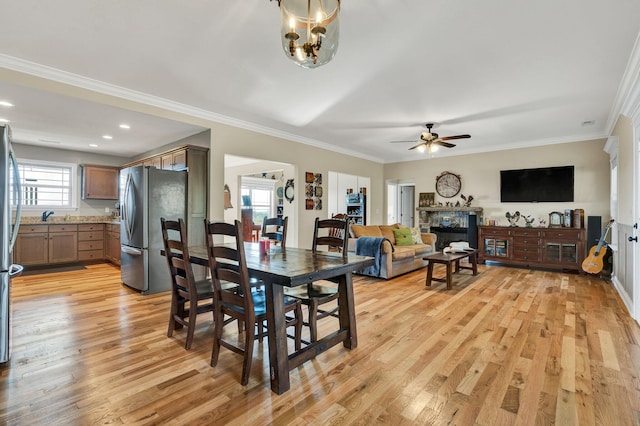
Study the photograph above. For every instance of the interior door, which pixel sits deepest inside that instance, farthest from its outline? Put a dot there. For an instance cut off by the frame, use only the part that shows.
(407, 205)
(634, 250)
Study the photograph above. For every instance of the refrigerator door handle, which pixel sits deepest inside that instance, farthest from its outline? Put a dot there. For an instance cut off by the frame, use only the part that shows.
(131, 251)
(15, 270)
(18, 188)
(128, 210)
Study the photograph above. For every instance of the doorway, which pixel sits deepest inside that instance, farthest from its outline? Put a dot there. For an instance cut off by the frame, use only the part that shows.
(407, 204)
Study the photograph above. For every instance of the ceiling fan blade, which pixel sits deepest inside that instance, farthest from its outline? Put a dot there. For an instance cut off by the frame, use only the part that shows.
(402, 141)
(446, 138)
(445, 144)
(416, 146)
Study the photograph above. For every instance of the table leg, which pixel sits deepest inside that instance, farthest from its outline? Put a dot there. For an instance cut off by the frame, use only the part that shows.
(429, 273)
(474, 263)
(449, 276)
(277, 332)
(457, 266)
(347, 310)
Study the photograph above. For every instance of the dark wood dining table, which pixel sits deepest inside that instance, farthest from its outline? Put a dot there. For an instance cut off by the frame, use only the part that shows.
(291, 267)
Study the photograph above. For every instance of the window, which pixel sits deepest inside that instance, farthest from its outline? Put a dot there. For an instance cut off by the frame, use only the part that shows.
(46, 184)
(261, 196)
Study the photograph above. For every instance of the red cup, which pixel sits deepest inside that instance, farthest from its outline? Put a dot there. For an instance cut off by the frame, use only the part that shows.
(265, 246)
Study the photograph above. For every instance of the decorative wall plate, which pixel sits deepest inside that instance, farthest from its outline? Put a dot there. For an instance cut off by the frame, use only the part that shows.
(289, 191)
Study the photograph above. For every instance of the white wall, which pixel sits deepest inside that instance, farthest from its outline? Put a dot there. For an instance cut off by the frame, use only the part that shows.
(481, 177)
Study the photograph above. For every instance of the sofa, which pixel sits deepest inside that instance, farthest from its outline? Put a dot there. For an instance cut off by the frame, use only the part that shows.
(394, 259)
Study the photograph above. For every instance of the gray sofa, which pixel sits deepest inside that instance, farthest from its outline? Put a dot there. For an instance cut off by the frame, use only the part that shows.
(399, 259)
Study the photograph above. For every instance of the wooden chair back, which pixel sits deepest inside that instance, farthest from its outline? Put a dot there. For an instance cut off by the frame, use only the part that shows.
(174, 238)
(275, 229)
(332, 233)
(228, 264)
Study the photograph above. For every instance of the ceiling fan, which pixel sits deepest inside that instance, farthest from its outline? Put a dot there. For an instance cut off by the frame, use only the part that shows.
(430, 140)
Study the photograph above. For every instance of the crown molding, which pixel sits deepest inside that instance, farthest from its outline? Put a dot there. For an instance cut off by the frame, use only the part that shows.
(54, 74)
(627, 100)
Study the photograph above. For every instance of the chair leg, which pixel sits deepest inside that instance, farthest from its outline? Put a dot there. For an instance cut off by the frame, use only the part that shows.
(172, 321)
(298, 327)
(313, 320)
(218, 325)
(193, 312)
(248, 353)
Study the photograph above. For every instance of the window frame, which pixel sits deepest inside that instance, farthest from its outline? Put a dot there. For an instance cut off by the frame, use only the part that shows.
(263, 184)
(73, 185)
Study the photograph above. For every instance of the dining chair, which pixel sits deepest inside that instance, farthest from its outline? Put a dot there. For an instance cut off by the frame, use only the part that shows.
(332, 233)
(275, 228)
(228, 263)
(185, 290)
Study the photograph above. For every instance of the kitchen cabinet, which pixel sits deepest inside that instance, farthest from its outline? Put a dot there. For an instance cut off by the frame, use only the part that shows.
(44, 244)
(99, 182)
(91, 241)
(176, 160)
(112, 243)
(32, 245)
(63, 243)
(153, 162)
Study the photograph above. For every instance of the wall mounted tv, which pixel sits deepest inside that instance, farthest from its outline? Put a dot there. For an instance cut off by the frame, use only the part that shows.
(547, 184)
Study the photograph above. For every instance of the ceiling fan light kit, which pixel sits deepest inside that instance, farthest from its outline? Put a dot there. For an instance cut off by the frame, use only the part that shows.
(310, 30)
(430, 141)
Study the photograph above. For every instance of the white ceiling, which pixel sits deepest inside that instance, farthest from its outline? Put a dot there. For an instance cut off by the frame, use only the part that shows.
(510, 73)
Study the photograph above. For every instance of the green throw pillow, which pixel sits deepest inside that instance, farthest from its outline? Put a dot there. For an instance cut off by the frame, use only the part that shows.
(403, 237)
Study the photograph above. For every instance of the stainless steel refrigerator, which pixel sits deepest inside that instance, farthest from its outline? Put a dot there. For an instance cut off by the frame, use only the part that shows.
(10, 191)
(147, 194)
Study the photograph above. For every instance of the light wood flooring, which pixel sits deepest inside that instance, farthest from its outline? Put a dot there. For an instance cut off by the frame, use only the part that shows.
(508, 346)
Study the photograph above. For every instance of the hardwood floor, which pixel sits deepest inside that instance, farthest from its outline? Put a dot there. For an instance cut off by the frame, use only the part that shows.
(509, 346)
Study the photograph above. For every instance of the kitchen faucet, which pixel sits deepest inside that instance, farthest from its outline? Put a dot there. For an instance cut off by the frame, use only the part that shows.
(46, 214)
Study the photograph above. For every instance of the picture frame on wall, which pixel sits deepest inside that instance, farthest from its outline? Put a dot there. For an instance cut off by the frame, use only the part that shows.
(426, 199)
(308, 177)
(309, 204)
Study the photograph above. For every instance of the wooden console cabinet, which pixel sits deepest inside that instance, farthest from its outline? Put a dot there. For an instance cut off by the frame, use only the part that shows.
(559, 248)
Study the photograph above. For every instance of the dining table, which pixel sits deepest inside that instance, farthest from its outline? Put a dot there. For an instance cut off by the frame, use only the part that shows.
(292, 267)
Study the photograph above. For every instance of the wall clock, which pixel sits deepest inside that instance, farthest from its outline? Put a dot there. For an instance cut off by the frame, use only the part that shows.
(448, 184)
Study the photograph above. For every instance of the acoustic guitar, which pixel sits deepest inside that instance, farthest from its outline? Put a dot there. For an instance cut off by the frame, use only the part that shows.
(593, 263)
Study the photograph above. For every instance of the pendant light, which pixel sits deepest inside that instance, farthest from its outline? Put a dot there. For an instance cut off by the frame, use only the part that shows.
(310, 30)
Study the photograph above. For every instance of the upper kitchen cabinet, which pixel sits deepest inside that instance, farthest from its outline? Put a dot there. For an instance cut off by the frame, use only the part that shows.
(99, 182)
(175, 160)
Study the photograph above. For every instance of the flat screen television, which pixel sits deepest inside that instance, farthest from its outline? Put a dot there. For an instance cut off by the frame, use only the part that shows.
(547, 184)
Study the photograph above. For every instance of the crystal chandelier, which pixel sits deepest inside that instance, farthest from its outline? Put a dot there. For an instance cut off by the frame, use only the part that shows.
(310, 30)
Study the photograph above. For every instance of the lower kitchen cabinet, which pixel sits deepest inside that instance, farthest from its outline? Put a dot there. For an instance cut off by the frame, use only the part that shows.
(44, 244)
(112, 243)
(32, 246)
(91, 241)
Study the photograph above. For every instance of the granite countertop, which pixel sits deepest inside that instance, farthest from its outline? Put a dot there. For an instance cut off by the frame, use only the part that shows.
(71, 220)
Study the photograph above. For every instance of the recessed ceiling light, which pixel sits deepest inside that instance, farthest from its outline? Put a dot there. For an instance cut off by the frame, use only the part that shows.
(93, 145)
(589, 123)
(4, 120)
(125, 126)
(6, 104)
(107, 137)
